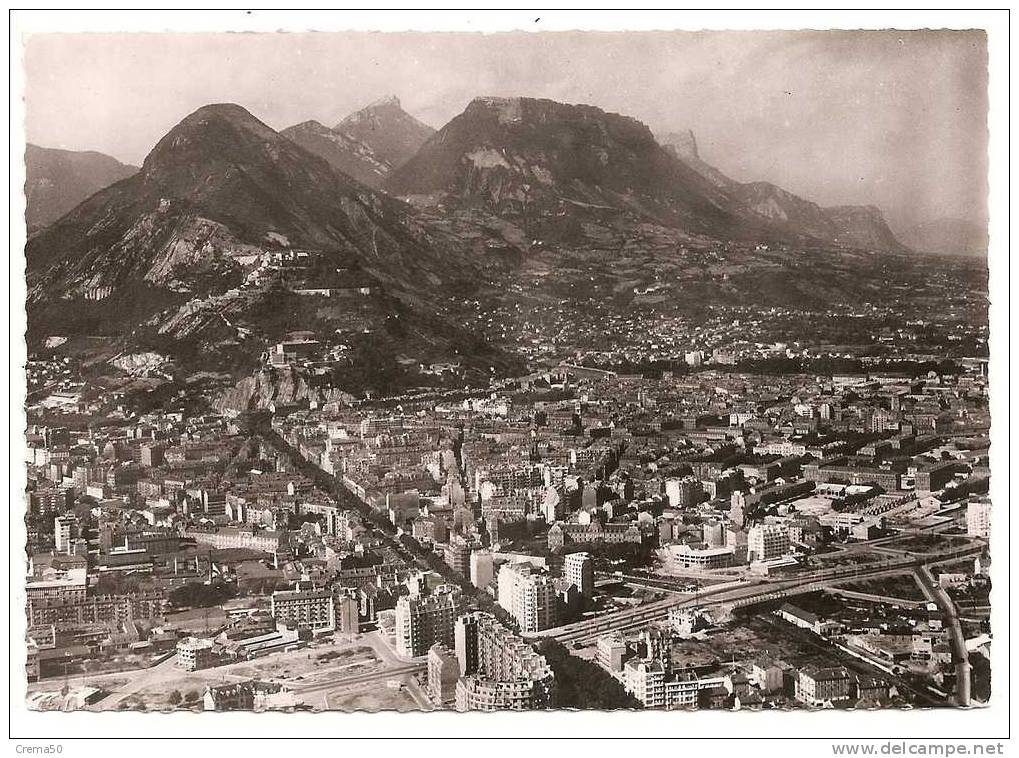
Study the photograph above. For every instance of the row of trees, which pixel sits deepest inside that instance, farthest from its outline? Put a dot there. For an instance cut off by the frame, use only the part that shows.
(583, 684)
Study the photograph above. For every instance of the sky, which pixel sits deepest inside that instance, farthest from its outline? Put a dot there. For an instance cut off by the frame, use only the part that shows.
(889, 118)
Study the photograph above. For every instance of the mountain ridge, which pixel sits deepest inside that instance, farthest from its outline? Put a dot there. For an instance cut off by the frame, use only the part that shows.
(392, 134)
(342, 151)
(220, 181)
(57, 180)
(531, 158)
(859, 226)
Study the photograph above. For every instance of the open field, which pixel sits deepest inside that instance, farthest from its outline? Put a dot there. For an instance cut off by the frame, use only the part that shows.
(373, 696)
(904, 587)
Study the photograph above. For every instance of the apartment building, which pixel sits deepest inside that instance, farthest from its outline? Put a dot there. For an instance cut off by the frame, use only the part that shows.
(578, 568)
(424, 620)
(529, 595)
(818, 685)
(503, 671)
(194, 653)
(978, 518)
(767, 541)
(305, 608)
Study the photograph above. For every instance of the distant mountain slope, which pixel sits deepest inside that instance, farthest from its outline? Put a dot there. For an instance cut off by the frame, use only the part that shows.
(683, 145)
(341, 151)
(781, 206)
(385, 127)
(855, 226)
(948, 236)
(863, 226)
(533, 160)
(57, 180)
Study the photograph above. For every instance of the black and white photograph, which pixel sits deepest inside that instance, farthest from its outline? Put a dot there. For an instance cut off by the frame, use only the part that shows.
(438, 370)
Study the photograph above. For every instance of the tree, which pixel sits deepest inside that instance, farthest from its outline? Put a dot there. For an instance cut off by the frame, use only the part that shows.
(175, 698)
(197, 595)
(583, 684)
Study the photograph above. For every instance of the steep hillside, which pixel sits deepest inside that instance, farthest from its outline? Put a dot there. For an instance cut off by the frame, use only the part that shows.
(341, 151)
(843, 226)
(202, 255)
(863, 226)
(57, 180)
(534, 161)
(384, 126)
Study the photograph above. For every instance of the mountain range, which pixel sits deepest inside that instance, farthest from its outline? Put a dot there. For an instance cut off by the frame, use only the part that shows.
(57, 180)
(219, 186)
(510, 194)
(538, 160)
(367, 145)
(854, 226)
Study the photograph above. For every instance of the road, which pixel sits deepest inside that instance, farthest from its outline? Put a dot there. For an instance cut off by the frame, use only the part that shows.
(750, 594)
(344, 681)
(963, 681)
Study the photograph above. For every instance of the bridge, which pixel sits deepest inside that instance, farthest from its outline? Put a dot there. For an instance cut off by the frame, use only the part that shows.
(728, 598)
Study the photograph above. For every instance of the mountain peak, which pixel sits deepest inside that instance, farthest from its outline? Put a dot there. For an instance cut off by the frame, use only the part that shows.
(210, 132)
(388, 101)
(311, 125)
(682, 143)
(232, 112)
(384, 126)
(341, 150)
(532, 158)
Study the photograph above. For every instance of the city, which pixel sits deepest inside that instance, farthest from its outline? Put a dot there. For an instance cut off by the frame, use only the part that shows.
(538, 410)
(710, 540)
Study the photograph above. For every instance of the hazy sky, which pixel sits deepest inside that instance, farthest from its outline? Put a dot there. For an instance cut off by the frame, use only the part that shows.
(897, 119)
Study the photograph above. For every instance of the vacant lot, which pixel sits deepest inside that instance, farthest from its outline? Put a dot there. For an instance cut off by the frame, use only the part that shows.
(372, 697)
(904, 587)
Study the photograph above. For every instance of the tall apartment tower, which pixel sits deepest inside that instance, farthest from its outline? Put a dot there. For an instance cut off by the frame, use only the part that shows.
(767, 541)
(579, 570)
(528, 595)
(65, 531)
(482, 568)
(506, 672)
(978, 518)
(423, 621)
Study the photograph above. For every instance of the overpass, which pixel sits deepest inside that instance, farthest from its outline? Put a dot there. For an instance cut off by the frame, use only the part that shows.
(762, 591)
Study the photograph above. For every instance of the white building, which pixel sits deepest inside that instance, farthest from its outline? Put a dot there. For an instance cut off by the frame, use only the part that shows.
(579, 570)
(423, 621)
(683, 493)
(767, 541)
(528, 596)
(978, 518)
(65, 531)
(194, 653)
(704, 558)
